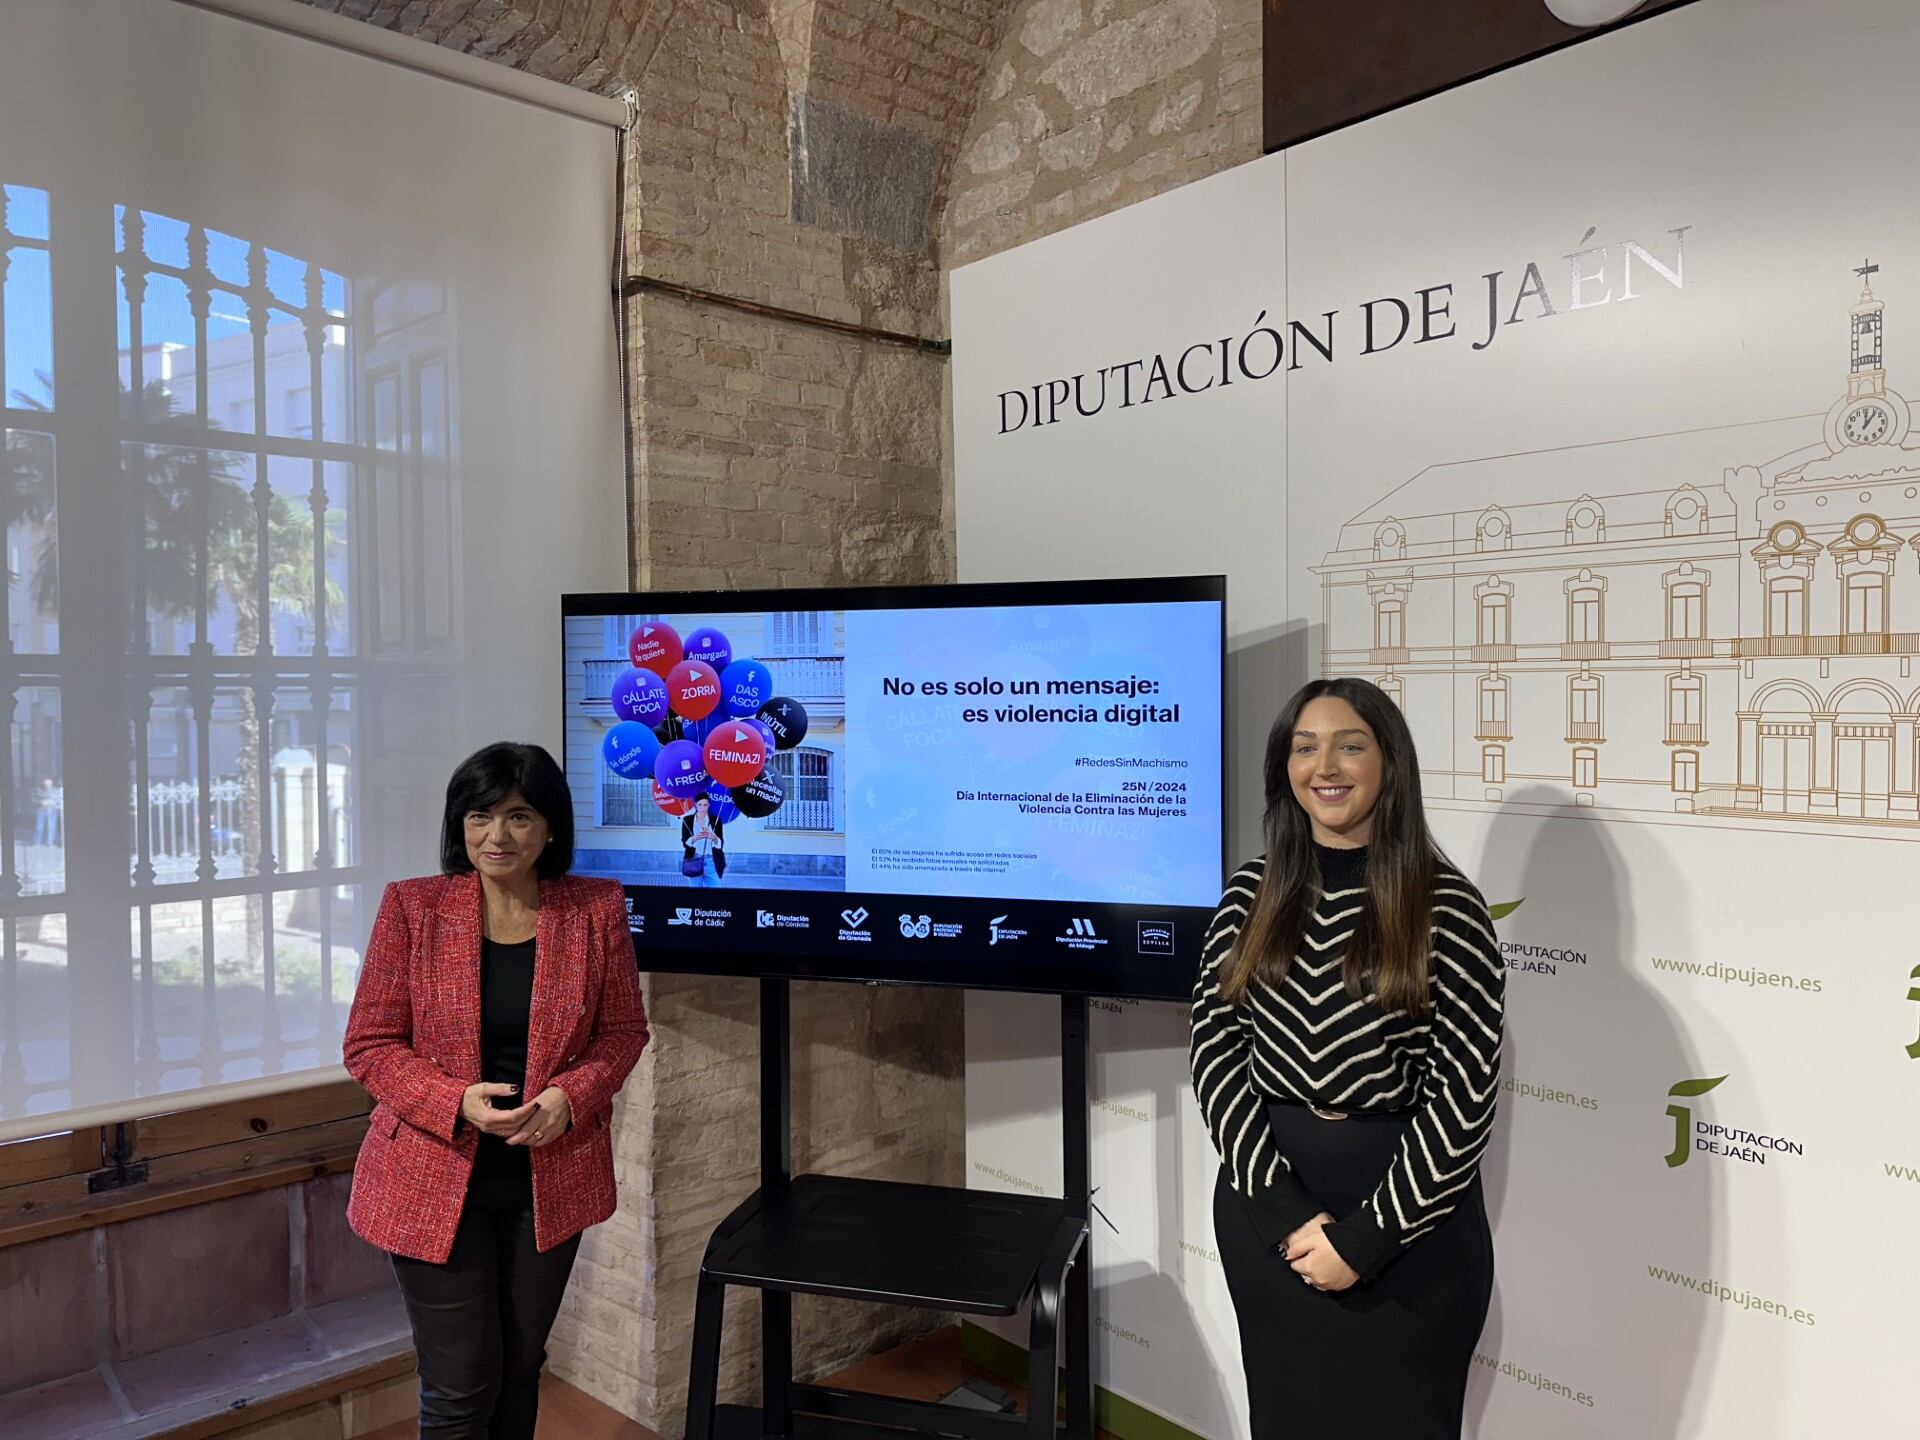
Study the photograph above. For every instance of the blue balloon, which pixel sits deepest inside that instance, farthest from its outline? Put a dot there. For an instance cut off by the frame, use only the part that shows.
(681, 770)
(640, 696)
(630, 749)
(745, 686)
(698, 730)
(710, 645)
(720, 804)
(766, 732)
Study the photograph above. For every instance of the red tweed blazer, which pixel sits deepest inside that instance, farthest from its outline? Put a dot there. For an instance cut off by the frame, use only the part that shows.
(413, 1043)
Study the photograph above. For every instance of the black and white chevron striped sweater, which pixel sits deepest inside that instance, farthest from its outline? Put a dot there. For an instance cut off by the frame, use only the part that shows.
(1308, 1039)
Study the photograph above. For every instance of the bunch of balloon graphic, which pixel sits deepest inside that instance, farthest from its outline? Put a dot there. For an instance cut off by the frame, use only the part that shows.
(698, 722)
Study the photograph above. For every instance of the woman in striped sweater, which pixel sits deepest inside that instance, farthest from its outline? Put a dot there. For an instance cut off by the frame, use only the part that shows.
(1346, 1041)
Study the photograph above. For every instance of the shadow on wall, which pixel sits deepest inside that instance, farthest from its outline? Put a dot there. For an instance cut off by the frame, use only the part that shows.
(1582, 1200)
(1264, 668)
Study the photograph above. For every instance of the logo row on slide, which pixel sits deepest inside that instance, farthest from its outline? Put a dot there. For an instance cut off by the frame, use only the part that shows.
(857, 923)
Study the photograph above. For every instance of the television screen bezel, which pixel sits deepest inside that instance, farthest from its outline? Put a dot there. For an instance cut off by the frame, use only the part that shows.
(884, 962)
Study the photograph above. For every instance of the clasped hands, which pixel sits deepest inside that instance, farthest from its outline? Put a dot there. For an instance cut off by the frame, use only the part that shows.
(541, 1121)
(1314, 1259)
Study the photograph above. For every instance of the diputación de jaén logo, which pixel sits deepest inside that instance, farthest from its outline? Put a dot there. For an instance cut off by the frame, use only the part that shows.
(1683, 1116)
(1913, 1050)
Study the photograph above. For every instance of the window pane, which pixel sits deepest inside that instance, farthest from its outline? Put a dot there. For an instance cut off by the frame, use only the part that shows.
(339, 558)
(167, 815)
(289, 379)
(38, 820)
(173, 963)
(235, 738)
(27, 344)
(36, 1015)
(342, 818)
(28, 490)
(336, 407)
(291, 535)
(227, 259)
(184, 499)
(169, 387)
(164, 239)
(317, 934)
(287, 279)
(229, 364)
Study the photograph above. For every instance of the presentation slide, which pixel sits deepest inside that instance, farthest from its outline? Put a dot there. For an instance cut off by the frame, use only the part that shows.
(1058, 752)
(1036, 783)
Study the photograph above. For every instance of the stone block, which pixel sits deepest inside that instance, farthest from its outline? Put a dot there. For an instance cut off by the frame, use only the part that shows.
(856, 176)
(1049, 24)
(1122, 57)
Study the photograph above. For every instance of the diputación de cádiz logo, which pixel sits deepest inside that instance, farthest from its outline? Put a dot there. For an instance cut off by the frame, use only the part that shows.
(1683, 1116)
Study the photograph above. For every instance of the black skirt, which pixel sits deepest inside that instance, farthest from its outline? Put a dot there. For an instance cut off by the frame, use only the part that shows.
(1384, 1360)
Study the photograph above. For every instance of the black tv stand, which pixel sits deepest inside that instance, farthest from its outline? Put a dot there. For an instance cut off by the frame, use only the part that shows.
(976, 1252)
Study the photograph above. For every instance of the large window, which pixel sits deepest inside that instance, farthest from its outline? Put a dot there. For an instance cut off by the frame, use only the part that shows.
(1687, 611)
(1495, 606)
(1786, 606)
(1493, 723)
(1585, 618)
(231, 540)
(268, 578)
(1389, 625)
(1686, 772)
(1583, 708)
(1866, 603)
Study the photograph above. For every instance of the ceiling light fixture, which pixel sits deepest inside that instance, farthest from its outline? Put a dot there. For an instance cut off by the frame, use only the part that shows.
(1588, 13)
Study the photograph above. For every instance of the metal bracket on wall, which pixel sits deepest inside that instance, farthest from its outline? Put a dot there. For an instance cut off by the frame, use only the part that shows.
(116, 1155)
(645, 284)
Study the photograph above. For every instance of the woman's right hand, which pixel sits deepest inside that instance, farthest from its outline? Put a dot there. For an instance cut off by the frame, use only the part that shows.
(477, 1110)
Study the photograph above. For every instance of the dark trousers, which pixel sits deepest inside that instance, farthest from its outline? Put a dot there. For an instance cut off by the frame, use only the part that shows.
(480, 1324)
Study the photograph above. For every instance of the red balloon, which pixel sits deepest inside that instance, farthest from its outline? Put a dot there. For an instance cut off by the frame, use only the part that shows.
(736, 752)
(693, 689)
(655, 647)
(673, 806)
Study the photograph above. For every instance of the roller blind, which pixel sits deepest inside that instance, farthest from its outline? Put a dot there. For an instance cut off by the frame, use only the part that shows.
(311, 411)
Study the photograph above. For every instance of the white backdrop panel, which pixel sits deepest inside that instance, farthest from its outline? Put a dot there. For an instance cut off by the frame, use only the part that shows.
(1671, 790)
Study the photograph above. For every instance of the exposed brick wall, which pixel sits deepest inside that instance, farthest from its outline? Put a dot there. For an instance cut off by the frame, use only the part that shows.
(1091, 105)
(769, 454)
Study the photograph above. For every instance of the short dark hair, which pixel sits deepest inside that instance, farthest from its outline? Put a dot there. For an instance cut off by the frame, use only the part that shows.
(487, 777)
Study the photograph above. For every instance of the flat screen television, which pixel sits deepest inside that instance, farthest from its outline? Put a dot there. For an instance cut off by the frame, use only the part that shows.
(1009, 786)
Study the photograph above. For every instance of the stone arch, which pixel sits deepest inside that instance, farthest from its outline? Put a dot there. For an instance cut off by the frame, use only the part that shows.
(1493, 530)
(1810, 698)
(1586, 521)
(1686, 512)
(1888, 697)
(1085, 107)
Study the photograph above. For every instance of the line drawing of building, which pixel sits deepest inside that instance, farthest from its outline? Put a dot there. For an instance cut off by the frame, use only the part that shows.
(1659, 623)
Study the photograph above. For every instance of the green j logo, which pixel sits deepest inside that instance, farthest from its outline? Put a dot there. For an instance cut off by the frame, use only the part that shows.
(1507, 907)
(1683, 1116)
(1913, 1050)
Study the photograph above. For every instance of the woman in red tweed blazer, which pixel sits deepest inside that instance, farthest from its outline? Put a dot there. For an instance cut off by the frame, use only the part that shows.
(503, 977)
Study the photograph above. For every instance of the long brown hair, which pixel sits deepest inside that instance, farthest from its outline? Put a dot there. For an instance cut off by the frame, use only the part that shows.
(1392, 938)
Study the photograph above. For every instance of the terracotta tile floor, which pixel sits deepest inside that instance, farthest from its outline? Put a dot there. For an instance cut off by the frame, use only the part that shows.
(925, 1369)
